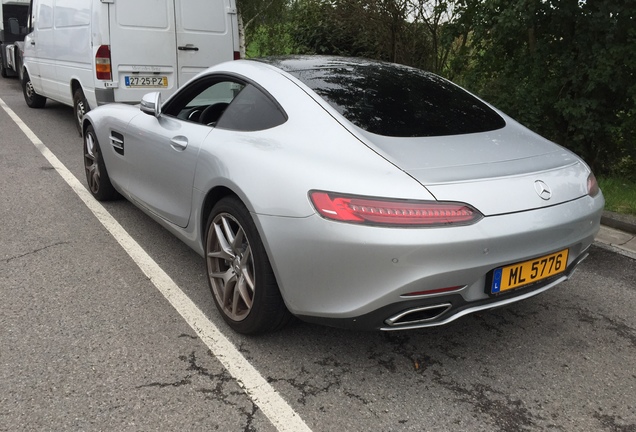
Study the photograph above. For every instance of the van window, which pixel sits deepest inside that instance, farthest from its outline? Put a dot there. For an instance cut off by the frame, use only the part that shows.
(143, 13)
(208, 16)
(70, 13)
(45, 15)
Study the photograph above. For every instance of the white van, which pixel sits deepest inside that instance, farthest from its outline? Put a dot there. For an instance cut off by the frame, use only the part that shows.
(86, 53)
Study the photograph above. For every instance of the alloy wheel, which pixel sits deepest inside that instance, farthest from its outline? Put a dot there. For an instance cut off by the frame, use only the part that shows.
(231, 267)
(91, 163)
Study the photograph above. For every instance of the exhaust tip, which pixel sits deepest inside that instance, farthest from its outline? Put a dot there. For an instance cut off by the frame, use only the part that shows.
(418, 315)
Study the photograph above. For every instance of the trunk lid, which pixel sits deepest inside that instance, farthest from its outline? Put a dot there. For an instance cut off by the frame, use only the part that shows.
(503, 171)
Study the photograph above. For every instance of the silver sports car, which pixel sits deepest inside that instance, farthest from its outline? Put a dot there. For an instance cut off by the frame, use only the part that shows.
(347, 192)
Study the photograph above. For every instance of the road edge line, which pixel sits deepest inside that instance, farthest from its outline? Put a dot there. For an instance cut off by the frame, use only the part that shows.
(271, 403)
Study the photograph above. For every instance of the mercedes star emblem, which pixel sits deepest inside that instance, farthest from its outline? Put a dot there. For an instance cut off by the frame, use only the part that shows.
(543, 190)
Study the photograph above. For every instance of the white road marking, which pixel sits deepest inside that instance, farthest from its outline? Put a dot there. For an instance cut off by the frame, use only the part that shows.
(282, 416)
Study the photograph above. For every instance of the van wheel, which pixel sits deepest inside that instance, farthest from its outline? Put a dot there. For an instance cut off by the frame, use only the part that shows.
(32, 99)
(80, 104)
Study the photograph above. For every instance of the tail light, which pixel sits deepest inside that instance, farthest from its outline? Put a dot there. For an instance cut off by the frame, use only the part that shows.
(392, 212)
(237, 55)
(592, 185)
(102, 63)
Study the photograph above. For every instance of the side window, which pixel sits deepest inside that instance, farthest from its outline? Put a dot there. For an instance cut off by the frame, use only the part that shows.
(45, 15)
(226, 103)
(204, 101)
(252, 110)
(221, 92)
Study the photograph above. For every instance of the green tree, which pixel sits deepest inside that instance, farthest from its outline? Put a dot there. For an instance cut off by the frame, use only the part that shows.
(565, 68)
(261, 20)
(403, 31)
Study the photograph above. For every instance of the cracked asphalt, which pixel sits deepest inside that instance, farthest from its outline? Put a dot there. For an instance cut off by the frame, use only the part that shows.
(88, 343)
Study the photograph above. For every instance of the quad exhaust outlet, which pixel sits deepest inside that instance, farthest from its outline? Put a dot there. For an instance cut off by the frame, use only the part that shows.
(418, 315)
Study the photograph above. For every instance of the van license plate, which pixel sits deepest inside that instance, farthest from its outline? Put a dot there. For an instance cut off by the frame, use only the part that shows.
(146, 81)
(527, 272)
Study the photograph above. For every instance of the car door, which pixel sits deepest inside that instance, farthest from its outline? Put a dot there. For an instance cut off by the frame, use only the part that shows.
(163, 151)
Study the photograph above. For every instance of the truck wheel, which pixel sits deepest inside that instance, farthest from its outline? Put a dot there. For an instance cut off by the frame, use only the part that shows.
(80, 104)
(33, 100)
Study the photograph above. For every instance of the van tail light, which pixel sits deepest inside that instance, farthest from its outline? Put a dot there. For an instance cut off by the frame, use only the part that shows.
(392, 212)
(102, 63)
(237, 55)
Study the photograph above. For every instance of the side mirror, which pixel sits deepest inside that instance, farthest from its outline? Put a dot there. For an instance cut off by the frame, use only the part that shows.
(151, 104)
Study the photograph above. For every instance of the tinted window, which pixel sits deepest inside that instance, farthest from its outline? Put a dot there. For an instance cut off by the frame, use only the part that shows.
(393, 100)
(227, 103)
(203, 101)
(220, 92)
(251, 110)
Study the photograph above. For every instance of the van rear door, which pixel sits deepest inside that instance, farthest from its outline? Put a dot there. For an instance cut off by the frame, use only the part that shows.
(207, 34)
(142, 48)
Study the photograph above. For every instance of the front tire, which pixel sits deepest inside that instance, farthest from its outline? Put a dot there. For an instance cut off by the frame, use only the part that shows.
(33, 100)
(239, 273)
(81, 107)
(97, 178)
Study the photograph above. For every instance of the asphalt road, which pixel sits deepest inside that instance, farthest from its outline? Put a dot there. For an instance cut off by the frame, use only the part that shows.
(88, 341)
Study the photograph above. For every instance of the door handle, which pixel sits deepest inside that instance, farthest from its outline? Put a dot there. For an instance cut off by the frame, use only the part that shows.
(179, 143)
(32, 42)
(188, 47)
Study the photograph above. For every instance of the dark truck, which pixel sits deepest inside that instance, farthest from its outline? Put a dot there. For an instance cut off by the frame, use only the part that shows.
(14, 15)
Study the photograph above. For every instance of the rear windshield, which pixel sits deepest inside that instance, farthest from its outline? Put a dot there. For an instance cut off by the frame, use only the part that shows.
(394, 100)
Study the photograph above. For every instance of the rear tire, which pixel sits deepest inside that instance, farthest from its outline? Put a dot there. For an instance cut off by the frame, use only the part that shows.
(81, 107)
(239, 272)
(33, 100)
(97, 178)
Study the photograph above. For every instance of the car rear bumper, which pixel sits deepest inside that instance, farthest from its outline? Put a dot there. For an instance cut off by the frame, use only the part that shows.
(357, 276)
(437, 311)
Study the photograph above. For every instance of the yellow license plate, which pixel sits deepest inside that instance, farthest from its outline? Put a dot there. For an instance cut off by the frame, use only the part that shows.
(528, 272)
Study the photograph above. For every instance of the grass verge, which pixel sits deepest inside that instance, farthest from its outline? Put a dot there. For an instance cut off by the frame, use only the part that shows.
(620, 195)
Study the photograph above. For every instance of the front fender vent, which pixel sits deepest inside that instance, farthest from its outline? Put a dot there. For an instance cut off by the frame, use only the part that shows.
(117, 141)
